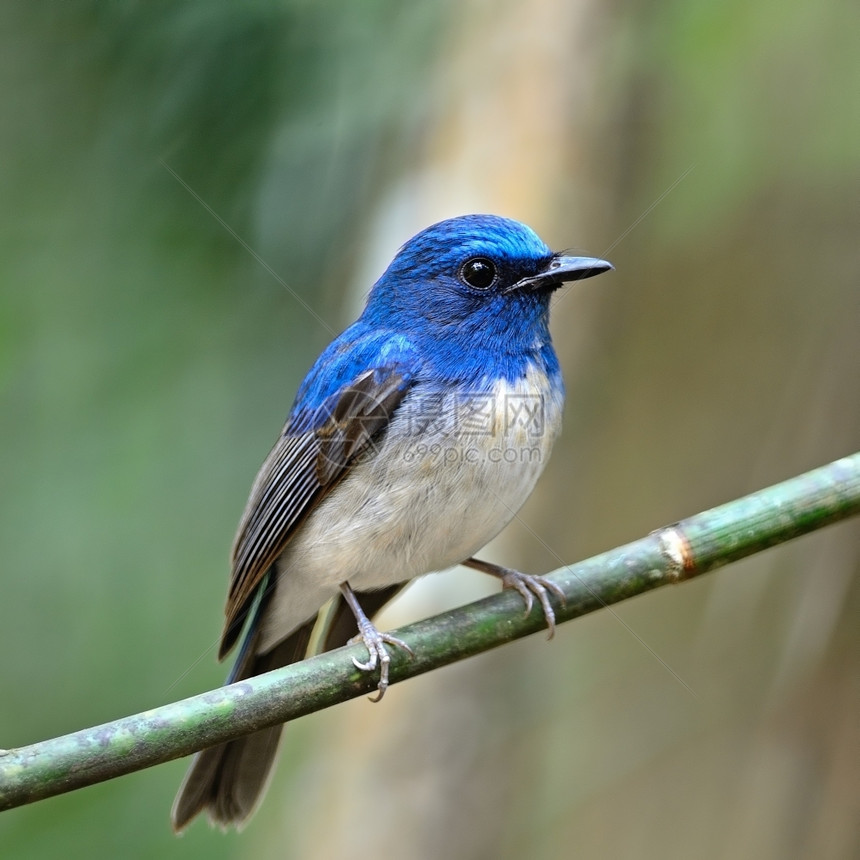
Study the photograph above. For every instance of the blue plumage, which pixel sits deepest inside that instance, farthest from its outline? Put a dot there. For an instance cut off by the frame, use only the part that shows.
(413, 440)
(360, 348)
(421, 317)
(467, 335)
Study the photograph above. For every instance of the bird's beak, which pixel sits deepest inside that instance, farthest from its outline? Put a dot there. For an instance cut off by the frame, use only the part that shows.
(560, 270)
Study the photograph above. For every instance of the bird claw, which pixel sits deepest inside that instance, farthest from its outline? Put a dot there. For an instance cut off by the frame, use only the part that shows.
(375, 642)
(529, 587)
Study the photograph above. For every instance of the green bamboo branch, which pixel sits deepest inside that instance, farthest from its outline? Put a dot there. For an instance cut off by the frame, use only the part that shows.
(681, 551)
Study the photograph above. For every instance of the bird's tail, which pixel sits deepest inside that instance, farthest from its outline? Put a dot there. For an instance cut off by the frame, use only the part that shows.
(227, 781)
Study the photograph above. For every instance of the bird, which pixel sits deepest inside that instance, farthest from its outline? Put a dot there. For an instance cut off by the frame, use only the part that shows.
(412, 442)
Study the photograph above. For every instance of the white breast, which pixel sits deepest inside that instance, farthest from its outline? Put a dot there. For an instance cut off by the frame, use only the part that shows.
(448, 476)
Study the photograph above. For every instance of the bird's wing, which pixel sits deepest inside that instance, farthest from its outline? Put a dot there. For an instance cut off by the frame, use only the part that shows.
(317, 448)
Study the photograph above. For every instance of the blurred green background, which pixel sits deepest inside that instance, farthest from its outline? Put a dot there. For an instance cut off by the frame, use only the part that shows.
(180, 181)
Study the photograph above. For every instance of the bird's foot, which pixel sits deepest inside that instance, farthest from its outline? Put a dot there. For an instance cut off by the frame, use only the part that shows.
(529, 587)
(375, 642)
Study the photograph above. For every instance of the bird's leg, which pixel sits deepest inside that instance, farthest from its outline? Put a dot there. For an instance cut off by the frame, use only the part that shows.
(527, 585)
(373, 640)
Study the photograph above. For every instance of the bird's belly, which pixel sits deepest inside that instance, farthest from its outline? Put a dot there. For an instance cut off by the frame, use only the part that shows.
(449, 474)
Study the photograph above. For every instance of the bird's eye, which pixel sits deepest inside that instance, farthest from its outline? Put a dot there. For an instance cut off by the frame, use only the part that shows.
(479, 272)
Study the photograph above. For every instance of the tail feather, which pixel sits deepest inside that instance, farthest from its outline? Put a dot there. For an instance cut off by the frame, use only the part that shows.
(227, 781)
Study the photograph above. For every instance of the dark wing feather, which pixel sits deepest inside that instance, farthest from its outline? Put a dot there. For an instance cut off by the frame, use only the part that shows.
(297, 474)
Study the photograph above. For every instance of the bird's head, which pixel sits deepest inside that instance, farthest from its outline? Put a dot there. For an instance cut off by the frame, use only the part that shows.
(475, 280)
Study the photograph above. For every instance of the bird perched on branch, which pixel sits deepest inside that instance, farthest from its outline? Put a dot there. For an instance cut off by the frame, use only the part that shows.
(413, 440)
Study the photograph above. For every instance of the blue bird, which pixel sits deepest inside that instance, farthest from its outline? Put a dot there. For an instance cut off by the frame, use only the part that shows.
(414, 439)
